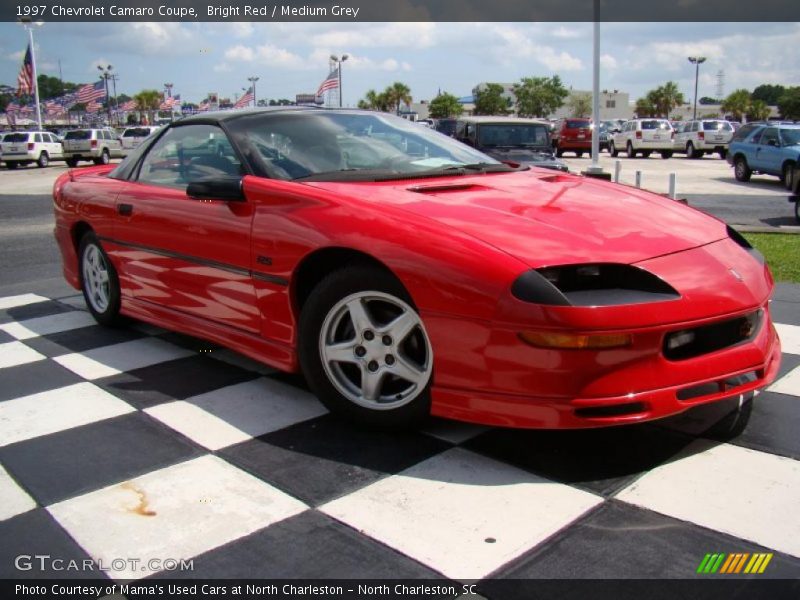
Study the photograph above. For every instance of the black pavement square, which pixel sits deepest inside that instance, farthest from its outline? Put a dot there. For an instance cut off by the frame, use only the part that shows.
(36, 533)
(173, 380)
(82, 459)
(82, 339)
(601, 461)
(325, 458)
(4, 337)
(774, 425)
(34, 311)
(34, 377)
(309, 545)
(621, 541)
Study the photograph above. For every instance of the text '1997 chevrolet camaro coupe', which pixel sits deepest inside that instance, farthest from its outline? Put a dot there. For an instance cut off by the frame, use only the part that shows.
(405, 274)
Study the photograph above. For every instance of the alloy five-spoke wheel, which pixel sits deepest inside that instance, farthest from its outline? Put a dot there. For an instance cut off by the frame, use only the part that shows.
(99, 281)
(375, 351)
(364, 349)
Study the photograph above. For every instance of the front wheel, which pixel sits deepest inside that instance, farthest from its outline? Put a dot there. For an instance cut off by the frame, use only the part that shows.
(43, 161)
(364, 349)
(104, 158)
(733, 424)
(786, 177)
(99, 281)
(630, 151)
(740, 169)
(612, 149)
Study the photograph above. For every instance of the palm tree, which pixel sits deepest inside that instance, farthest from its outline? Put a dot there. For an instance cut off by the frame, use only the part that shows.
(737, 103)
(759, 111)
(669, 97)
(148, 101)
(398, 93)
(645, 107)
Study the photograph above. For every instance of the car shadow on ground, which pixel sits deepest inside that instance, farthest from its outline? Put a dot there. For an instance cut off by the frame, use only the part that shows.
(757, 183)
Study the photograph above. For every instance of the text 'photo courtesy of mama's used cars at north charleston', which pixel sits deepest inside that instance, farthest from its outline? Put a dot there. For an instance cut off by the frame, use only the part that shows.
(406, 274)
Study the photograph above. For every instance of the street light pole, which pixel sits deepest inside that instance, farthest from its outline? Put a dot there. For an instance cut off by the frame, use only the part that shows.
(595, 170)
(338, 62)
(696, 61)
(253, 81)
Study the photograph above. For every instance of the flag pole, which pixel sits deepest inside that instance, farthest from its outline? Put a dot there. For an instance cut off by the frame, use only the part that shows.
(29, 27)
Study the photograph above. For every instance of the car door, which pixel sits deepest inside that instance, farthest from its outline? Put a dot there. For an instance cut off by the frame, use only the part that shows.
(768, 152)
(188, 255)
(54, 146)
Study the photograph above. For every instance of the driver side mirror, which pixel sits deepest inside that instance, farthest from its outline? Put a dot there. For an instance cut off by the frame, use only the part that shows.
(228, 189)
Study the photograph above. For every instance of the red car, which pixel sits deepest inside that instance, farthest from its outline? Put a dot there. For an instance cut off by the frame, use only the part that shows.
(407, 274)
(572, 135)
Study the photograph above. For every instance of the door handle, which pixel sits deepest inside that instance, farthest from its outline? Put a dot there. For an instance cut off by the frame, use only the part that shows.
(126, 210)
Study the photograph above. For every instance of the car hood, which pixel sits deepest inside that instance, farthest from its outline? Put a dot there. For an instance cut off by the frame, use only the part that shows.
(545, 218)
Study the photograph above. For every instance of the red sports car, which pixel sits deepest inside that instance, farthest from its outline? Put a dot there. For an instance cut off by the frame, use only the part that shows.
(406, 274)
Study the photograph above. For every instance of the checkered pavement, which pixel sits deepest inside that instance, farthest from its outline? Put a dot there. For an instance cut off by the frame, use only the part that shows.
(141, 443)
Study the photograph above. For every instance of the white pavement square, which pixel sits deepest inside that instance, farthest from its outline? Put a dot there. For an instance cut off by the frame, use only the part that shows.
(238, 412)
(21, 300)
(174, 513)
(788, 384)
(790, 338)
(13, 354)
(749, 494)
(118, 358)
(31, 328)
(461, 513)
(56, 410)
(13, 499)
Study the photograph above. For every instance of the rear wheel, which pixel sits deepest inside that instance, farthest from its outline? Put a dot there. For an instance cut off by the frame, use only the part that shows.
(787, 175)
(364, 349)
(740, 169)
(43, 161)
(612, 149)
(99, 281)
(629, 150)
(691, 152)
(666, 154)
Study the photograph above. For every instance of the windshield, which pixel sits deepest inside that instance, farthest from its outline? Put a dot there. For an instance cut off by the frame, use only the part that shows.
(15, 138)
(78, 135)
(331, 145)
(512, 134)
(791, 137)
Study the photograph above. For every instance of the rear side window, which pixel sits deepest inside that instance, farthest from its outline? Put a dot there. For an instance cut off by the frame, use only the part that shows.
(744, 132)
(717, 126)
(78, 135)
(16, 138)
(653, 124)
(136, 132)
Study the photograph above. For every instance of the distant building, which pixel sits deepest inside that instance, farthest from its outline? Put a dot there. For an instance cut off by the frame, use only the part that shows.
(613, 103)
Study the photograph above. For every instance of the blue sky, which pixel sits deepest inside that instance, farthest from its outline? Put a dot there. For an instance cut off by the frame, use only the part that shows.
(292, 58)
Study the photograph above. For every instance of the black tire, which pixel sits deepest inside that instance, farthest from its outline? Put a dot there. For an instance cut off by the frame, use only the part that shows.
(43, 161)
(647, 153)
(579, 153)
(666, 154)
(104, 158)
(733, 424)
(107, 314)
(629, 150)
(319, 318)
(559, 152)
(786, 176)
(612, 149)
(10, 164)
(723, 153)
(740, 169)
(72, 162)
(691, 152)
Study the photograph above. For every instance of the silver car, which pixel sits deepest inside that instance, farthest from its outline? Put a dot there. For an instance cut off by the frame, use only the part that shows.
(96, 145)
(704, 136)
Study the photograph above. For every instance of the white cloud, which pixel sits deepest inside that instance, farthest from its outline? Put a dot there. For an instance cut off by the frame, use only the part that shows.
(608, 62)
(566, 34)
(240, 53)
(379, 35)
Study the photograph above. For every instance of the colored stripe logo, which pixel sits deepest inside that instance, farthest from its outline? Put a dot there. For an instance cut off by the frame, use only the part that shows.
(739, 562)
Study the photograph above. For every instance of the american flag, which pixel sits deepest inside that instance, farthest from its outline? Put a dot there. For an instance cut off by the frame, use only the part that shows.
(204, 106)
(91, 92)
(25, 77)
(170, 102)
(331, 83)
(245, 100)
(53, 108)
(93, 107)
(128, 106)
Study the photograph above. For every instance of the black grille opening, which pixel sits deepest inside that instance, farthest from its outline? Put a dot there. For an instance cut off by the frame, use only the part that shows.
(690, 343)
(616, 410)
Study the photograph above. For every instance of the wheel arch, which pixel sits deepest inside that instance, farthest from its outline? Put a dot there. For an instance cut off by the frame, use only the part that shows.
(79, 229)
(319, 263)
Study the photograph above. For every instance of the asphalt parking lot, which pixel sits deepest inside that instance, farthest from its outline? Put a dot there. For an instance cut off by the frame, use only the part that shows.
(137, 443)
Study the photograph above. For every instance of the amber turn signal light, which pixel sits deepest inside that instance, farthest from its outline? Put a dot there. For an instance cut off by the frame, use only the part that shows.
(545, 339)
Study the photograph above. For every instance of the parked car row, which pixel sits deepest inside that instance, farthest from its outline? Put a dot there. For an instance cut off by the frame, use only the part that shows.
(100, 145)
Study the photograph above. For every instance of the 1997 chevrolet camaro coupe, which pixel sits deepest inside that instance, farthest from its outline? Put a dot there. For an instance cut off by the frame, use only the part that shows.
(406, 274)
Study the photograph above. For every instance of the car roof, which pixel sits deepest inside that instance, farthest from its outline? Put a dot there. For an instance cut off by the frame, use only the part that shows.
(220, 116)
(501, 119)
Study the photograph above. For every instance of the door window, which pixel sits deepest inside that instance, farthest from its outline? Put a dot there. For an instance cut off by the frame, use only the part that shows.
(189, 153)
(770, 135)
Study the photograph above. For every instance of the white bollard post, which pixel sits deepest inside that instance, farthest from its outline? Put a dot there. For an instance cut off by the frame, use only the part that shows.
(672, 184)
(638, 179)
(617, 170)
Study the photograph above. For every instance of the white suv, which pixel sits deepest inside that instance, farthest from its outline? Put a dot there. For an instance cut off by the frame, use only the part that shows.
(704, 137)
(643, 136)
(133, 136)
(25, 147)
(97, 145)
